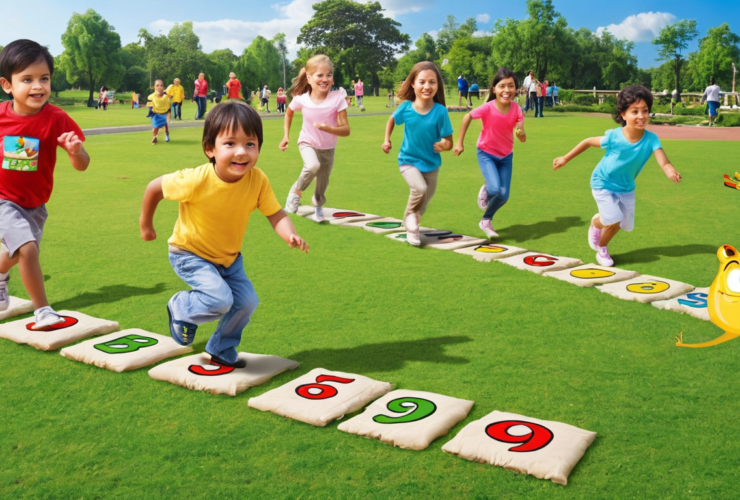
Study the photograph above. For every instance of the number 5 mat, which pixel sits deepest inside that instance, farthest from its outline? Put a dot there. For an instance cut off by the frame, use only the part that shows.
(409, 419)
(320, 396)
(76, 326)
(542, 448)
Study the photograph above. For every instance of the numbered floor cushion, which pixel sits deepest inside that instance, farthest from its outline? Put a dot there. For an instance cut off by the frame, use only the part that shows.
(339, 216)
(197, 373)
(305, 210)
(125, 350)
(542, 448)
(486, 252)
(76, 326)
(591, 275)
(16, 307)
(380, 226)
(646, 289)
(693, 303)
(320, 396)
(440, 239)
(409, 419)
(541, 263)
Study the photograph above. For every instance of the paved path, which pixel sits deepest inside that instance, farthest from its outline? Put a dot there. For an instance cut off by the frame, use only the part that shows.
(696, 133)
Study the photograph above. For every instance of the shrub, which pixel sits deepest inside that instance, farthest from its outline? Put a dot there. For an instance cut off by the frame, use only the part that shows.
(565, 95)
(729, 119)
(584, 99)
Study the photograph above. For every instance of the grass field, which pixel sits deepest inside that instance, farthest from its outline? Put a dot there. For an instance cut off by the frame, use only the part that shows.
(422, 319)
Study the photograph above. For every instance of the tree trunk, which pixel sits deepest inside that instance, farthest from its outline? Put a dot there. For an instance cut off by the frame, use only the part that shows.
(376, 83)
(92, 87)
(678, 79)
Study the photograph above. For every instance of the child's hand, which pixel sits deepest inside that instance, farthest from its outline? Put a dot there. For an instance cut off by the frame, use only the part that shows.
(284, 144)
(70, 142)
(458, 150)
(387, 147)
(298, 242)
(148, 233)
(439, 147)
(320, 126)
(519, 131)
(559, 162)
(674, 176)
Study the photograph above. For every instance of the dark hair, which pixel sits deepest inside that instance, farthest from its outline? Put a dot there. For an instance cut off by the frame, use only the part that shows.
(627, 97)
(711, 80)
(406, 92)
(501, 74)
(20, 54)
(228, 117)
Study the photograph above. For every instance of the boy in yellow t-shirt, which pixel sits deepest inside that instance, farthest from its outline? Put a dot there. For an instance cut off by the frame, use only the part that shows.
(177, 95)
(216, 200)
(159, 109)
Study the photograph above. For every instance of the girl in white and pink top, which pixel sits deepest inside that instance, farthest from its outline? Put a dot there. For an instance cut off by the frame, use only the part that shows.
(359, 92)
(500, 117)
(324, 119)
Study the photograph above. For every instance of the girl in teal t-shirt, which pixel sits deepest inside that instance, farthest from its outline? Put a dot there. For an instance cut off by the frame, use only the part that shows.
(628, 148)
(428, 132)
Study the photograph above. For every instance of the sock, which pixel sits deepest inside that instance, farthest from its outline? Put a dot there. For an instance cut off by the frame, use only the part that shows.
(4, 276)
(43, 309)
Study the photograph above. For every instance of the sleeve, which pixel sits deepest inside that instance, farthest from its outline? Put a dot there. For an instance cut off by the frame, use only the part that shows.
(606, 139)
(179, 186)
(150, 100)
(519, 114)
(169, 91)
(480, 111)
(296, 104)
(266, 201)
(342, 104)
(655, 142)
(445, 126)
(398, 114)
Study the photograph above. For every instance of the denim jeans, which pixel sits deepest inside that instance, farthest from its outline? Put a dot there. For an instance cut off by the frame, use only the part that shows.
(497, 173)
(201, 102)
(540, 105)
(218, 293)
(176, 110)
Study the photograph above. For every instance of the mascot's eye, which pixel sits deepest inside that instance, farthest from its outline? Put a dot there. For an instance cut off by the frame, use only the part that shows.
(733, 280)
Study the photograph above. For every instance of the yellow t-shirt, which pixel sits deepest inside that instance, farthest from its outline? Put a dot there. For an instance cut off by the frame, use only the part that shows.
(176, 92)
(214, 214)
(160, 105)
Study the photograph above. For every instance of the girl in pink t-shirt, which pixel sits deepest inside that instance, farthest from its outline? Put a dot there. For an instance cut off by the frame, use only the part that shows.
(324, 118)
(500, 117)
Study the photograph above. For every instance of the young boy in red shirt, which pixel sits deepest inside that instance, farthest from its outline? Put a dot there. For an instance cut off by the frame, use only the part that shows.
(30, 131)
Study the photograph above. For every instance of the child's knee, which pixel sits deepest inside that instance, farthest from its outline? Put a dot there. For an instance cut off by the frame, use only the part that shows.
(221, 302)
(312, 166)
(28, 250)
(246, 302)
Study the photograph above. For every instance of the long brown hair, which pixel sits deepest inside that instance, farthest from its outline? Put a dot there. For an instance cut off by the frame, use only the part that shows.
(501, 74)
(406, 92)
(299, 84)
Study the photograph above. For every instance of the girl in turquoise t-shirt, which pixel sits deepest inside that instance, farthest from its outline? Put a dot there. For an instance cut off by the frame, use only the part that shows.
(628, 148)
(428, 132)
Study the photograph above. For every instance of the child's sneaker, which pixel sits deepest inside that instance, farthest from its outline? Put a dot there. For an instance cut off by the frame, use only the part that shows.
(154, 141)
(239, 363)
(167, 138)
(182, 332)
(293, 202)
(412, 230)
(4, 296)
(318, 214)
(45, 317)
(486, 227)
(483, 198)
(603, 257)
(594, 235)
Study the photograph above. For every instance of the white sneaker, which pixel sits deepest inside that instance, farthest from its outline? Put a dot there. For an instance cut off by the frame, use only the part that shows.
(603, 257)
(293, 202)
(4, 296)
(483, 198)
(412, 230)
(594, 235)
(318, 214)
(45, 316)
(486, 227)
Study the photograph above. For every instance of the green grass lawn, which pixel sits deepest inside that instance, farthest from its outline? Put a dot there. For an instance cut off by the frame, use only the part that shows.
(422, 319)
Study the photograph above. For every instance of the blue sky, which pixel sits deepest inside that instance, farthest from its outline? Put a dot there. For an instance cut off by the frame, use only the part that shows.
(234, 24)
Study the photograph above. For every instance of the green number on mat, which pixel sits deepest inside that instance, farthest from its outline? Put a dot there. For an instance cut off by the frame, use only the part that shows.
(129, 343)
(421, 408)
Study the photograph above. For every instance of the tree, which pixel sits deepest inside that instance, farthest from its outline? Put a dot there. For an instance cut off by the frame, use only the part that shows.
(471, 56)
(446, 36)
(260, 64)
(92, 51)
(58, 78)
(356, 35)
(282, 47)
(717, 51)
(673, 39)
(426, 50)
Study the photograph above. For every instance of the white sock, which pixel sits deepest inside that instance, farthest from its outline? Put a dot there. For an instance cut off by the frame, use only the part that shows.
(3, 276)
(41, 310)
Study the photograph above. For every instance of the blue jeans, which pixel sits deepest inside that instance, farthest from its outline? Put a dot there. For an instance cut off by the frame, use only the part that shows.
(540, 105)
(218, 293)
(497, 173)
(201, 102)
(176, 110)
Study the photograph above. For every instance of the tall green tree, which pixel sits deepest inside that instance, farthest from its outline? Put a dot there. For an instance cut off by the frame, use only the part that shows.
(92, 51)
(426, 50)
(673, 40)
(281, 45)
(717, 51)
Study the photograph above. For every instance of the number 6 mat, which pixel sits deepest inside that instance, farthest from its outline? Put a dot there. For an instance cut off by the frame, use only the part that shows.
(320, 396)
(409, 419)
(542, 448)
(646, 289)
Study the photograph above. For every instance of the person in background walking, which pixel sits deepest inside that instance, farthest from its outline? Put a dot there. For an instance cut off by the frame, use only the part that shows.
(265, 98)
(359, 92)
(176, 92)
(711, 95)
(200, 94)
(234, 87)
(528, 88)
(462, 88)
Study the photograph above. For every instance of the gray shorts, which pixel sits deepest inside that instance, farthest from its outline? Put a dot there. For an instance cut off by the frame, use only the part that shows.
(20, 225)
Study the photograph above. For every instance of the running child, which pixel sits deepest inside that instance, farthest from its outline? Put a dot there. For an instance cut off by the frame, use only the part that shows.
(176, 93)
(428, 132)
(628, 148)
(500, 117)
(281, 99)
(234, 87)
(216, 200)
(324, 119)
(30, 131)
(159, 109)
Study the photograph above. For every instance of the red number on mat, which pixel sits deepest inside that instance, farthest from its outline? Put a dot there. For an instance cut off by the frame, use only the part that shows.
(200, 370)
(537, 438)
(326, 391)
(534, 260)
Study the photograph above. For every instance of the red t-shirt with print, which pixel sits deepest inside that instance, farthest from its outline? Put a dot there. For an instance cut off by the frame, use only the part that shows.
(30, 152)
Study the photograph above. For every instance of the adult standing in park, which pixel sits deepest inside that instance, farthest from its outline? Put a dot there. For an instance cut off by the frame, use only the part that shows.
(474, 91)
(177, 95)
(265, 98)
(103, 98)
(234, 87)
(359, 92)
(462, 88)
(711, 95)
(541, 95)
(200, 94)
(528, 88)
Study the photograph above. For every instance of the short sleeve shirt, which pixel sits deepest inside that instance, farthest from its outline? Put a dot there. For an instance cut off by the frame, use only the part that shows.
(462, 84)
(176, 92)
(30, 152)
(234, 87)
(160, 105)
(324, 112)
(623, 161)
(201, 88)
(359, 89)
(420, 134)
(213, 214)
(497, 136)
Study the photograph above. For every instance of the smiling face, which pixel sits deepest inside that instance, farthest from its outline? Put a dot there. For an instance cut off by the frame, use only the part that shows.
(159, 87)
(425, 85)
(723, 302)
(637, 115)
(235, 153)
(31, 88)
(321, 80)
(505, 90)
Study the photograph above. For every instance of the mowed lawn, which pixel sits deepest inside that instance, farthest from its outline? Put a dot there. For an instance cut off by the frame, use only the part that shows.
(421, 319)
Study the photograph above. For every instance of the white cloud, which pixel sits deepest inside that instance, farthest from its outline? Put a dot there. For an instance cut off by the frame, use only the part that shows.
(642, 27)
(483, 18)
(481, 33)
(394, 8)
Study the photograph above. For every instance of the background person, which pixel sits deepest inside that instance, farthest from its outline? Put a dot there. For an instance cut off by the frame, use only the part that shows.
(711, 96)
(265, 98)
(233, 87)
(359, 92)
(176, 93)
(528, 88)
(200, 95)
(462, 90)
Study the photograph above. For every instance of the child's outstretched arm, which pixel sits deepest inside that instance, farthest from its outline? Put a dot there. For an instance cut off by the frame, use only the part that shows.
(342, 128)
(460, 147)
(286, 128)
(665, 164)
(520, 133)
(444, 145)
(388, 131)
(284, 228)
(72, 144)
(591, 142)
(152, 196)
